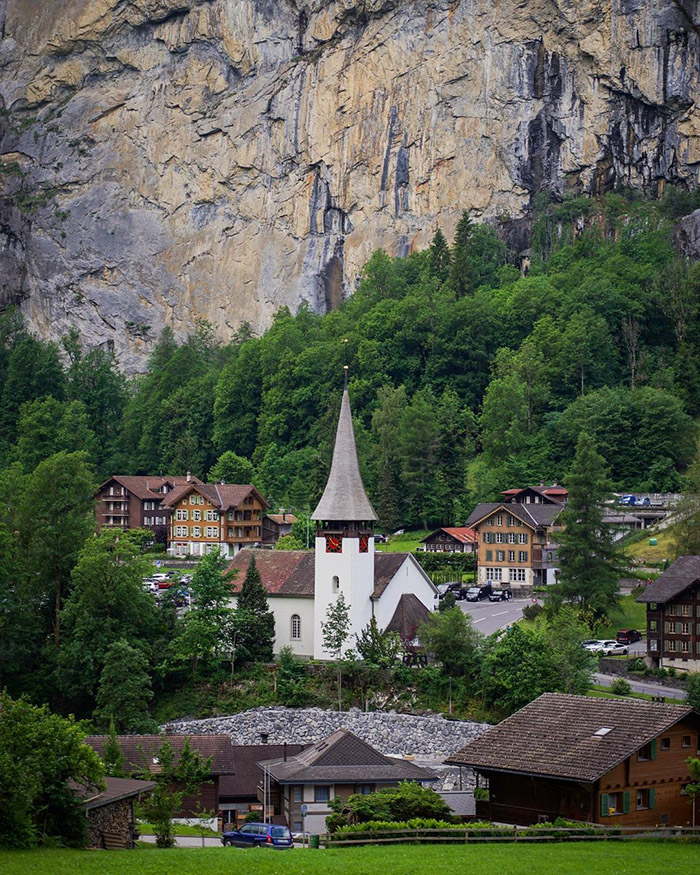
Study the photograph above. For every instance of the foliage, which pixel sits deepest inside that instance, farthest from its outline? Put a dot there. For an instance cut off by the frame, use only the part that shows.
(177, 777)
(378, 646)
(336, 627)
(231, 468)
(532, 611)
(401, 803)
(125, 690)
(450, 637)
(590, 560)
(621, 687)
(289, 542)
(112, 755)
(253, 621)
(693, 690)
(40, 753)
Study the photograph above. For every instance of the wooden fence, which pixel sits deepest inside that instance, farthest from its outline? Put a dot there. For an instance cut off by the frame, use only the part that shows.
(511, 834)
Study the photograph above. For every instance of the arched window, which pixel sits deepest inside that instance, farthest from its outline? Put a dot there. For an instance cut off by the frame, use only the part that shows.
(336, 583)
(296, 627)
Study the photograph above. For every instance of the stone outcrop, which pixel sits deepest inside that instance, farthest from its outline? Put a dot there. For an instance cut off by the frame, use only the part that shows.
(168, 160)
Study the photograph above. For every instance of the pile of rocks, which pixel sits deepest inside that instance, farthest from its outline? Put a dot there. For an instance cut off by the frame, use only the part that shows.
(427, 738)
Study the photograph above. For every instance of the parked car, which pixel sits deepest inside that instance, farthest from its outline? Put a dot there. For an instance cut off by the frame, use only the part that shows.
(258, 835)
(610, 648)
(456, 588)
(594, 645)
(500, 595)
(628, 636)
(477, 593)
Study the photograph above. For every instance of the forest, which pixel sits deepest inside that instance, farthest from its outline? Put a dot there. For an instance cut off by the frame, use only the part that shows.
(468, 374)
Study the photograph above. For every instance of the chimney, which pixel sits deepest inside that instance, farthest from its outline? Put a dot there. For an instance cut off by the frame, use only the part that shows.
(285, 751)
(263, 737)
(189, 476)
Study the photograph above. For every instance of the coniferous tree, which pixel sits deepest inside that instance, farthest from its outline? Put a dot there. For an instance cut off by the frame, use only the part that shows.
(462, 277)
(125, 690)
(439, 257)
(112, 755)
(590, 561)
(254, 620)
(686, 532)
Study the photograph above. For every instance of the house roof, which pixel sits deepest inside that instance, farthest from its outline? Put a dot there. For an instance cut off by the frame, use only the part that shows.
(555, 492)
(343, 758)
(344, 497)
(116, 789)
(409, 614)
(555, 736)
(145, 487)
(282, 519)
(463, 534)
(140, 751)
(533, 515)
(678, 577)
(221, 495)
(291, 572)
(247, 774)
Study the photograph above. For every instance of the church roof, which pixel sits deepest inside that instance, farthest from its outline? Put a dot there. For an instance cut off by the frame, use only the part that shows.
(344, 497)
(409, 614)
(291, 572)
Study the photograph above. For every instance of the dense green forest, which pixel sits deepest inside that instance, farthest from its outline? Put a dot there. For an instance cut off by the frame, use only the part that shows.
(466, 376)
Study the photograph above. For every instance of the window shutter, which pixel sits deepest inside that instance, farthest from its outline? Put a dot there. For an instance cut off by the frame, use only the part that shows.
(652, 797)
(652, 746)
(604, 805)
(626, 802)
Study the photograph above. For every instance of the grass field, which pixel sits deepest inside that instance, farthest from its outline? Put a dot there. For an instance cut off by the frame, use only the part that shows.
(631, 615)
(180, 829)
(570, 858)
(640, 550)
(405, 543)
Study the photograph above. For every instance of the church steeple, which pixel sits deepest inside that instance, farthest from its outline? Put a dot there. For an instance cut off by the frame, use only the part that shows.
(344, 498)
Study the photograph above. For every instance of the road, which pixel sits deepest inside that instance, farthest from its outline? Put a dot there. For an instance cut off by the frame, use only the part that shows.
(642, 687)
(489, 616)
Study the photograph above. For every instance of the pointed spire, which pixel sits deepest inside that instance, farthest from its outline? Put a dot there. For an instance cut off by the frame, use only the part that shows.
(344, 497)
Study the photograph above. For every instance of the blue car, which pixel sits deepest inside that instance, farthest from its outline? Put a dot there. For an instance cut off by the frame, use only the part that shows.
(259, 835)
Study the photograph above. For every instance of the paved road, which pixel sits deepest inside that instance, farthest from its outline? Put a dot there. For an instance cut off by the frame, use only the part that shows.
(489, 616)
(642, 687)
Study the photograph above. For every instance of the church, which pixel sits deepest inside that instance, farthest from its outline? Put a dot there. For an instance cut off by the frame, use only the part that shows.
(301, 584)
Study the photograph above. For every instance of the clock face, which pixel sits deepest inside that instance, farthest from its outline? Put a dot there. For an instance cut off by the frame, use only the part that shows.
(334, 544)
(364, 543)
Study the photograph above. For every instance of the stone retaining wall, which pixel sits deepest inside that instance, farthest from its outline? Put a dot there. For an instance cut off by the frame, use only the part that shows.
(432, 737)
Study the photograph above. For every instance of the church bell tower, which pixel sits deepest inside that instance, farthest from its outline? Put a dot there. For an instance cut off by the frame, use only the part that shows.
(344, 559)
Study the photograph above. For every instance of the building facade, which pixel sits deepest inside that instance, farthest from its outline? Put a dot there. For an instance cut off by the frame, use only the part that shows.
(606, 761)
(454, 539)
(208, 516)
(673, 616)
(276, 526)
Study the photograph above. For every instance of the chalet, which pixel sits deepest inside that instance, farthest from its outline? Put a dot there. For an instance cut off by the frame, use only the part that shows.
(141, 758)
(205, 516)
(239, 791)
(517, 537)
(594, 760)
(673, 616)
(276, 526)
(137, 502)
(334, 768)
(457, 539)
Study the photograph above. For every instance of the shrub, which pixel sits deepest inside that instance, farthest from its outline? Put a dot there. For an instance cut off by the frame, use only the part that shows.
(532, 612)
(621, 687)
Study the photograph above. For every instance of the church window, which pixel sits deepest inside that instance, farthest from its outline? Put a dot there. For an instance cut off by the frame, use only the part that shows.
(336, 583)
(296, 627)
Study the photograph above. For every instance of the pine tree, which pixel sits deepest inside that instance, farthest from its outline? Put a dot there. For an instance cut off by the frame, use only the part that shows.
(254, 621)
(440, 258)
(125, 690)
(113, 757)
(590, 562)
(462, 270)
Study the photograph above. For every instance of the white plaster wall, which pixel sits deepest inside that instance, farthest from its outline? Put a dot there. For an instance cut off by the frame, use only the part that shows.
(408, 579)
(283, 608)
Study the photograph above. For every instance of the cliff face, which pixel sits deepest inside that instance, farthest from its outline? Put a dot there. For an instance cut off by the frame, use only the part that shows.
(165, 160)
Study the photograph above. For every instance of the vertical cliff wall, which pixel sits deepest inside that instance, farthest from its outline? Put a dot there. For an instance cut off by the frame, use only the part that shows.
(165, 160)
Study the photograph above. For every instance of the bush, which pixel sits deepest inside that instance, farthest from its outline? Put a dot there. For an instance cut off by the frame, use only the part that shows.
(621, 687)
(532, 612)
(636, 664)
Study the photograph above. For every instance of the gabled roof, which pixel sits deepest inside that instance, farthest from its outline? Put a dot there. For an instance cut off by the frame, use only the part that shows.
(684, 572)
(140, 751)
(291, 572)
(223, 496)
(409, 614)
(248, 774)
(463, 534)
(115, 790)
(555, 492)
(343, 758)
(282, 519)
(344, 497)
(533, 515)
(145, 487)
(555, 736)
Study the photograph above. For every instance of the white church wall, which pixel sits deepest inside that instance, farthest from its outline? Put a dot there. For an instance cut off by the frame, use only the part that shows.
(283, 609)
(408, 579)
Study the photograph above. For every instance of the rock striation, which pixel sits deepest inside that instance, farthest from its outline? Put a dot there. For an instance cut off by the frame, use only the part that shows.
(168, 160)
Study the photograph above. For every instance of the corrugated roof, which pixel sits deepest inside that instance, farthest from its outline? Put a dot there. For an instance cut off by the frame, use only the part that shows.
(343, 757)
(555, 736)
(684, 572)
(140, 751)
(344, 497)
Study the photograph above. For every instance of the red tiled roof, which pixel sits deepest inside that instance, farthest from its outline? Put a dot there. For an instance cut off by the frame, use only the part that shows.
(145, 487)
(141, 750)
(291, 572)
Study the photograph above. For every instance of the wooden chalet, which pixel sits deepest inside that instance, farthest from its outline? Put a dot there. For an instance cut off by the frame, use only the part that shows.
(454, 539)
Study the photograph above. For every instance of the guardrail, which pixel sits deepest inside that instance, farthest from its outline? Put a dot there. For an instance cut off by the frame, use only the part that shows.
(512, 834)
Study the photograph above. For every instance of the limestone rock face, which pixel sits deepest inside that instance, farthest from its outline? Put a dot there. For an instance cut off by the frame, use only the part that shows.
(168, 160)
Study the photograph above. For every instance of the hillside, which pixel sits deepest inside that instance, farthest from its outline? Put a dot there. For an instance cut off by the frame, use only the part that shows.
(168, 160)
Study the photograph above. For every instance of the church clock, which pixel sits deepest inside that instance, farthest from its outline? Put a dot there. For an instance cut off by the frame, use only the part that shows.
(334, 544)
